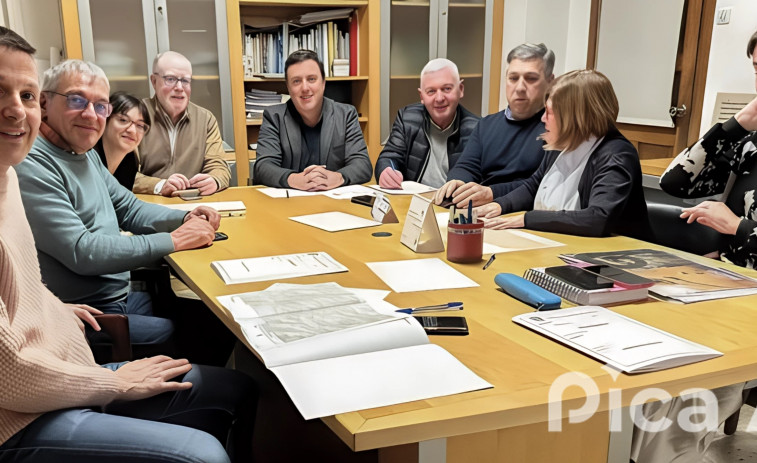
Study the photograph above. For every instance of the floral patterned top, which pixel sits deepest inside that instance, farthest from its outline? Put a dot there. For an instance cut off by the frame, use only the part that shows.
(704, 168)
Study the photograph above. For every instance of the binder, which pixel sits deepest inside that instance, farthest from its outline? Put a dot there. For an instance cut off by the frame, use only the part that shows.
(580, 296)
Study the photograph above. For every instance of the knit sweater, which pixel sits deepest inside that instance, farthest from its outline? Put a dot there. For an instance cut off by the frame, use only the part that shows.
(75, 208)
(45, 362)
(501, 153)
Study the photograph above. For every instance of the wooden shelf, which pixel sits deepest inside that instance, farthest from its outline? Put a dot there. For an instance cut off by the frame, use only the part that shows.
(281, 79)
(418, 76)
(399, 3)
(145, 77)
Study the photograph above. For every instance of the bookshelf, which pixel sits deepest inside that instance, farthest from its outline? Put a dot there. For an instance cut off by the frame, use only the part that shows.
(361, 90)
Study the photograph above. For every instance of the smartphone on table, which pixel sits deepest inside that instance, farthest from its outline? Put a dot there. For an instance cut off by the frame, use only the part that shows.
(619, 276)
(456, 326)
(579, 277)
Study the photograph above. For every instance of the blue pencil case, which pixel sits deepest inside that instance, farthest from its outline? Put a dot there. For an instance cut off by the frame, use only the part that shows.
(525, 291)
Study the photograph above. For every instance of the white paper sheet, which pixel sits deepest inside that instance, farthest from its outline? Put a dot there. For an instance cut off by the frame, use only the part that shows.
(349, 191)
(225, 208)
(343, 192)
(420, 275)
(335, 221)
(356, 382)
(496, 241)
(408, 188)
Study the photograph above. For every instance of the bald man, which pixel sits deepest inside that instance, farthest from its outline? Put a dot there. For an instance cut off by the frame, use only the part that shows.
(183, 148)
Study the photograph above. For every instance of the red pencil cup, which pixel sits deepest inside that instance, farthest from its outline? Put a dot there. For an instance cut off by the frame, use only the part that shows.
(465, 242)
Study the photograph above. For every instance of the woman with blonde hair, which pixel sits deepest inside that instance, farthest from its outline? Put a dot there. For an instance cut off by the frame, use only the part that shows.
(589, 182)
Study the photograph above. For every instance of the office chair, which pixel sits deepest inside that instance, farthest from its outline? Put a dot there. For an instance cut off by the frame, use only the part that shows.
(112, 344)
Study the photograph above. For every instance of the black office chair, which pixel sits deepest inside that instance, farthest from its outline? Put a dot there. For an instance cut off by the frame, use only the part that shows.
(670, 230)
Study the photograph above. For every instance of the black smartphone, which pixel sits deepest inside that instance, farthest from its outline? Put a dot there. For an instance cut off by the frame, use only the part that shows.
(365, 200)
(619, 276)
(579, 277)
(447, 202)
(456, 326)
(220, 236)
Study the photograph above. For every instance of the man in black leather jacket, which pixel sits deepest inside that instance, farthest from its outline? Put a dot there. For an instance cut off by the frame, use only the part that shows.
(427, 138)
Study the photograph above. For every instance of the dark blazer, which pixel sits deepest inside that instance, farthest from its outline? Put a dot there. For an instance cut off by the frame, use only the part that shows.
(280, 147)
(408, 144)
(610, 194)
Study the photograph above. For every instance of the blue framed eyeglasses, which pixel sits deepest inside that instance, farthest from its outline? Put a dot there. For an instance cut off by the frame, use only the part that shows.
(78, 102)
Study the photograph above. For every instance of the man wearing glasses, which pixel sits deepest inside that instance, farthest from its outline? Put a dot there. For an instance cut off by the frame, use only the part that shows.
(76, 209)
(183, 149)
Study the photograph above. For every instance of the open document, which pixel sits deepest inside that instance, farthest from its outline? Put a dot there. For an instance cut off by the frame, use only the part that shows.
(276, 267)
(675, 278)
(616, 340)
(323, 340)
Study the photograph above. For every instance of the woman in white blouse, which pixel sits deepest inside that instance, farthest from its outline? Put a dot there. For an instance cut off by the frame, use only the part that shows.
(589, 182)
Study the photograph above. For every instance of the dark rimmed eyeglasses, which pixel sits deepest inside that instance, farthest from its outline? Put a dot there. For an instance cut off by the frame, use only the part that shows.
(171, 81)
(78, 102)
(124, 122)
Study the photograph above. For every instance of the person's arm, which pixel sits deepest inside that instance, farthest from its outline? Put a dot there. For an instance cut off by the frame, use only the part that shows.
(214, 164)
(703, 168)
(612, 184)
(394, 149)
(60, 232)
(268, 168)
(522, 197)
(468, 167)
(144, 184)
(357, 164)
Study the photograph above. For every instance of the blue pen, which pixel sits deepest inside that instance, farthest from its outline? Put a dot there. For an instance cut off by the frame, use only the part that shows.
(434, 308)
(470, 211)
(394, 167)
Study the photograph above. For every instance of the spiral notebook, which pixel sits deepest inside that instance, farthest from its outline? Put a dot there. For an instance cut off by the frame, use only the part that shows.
(581, 296)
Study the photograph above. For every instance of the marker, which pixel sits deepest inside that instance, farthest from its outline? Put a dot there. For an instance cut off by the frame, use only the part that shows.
(434, 308)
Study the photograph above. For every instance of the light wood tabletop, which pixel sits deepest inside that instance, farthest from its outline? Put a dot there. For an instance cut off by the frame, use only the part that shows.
(509, 421)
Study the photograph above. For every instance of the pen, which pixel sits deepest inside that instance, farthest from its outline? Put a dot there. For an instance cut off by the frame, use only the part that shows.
(287, 193)
(434, 308)
(489, 262)
(470, 212)
(394, 167)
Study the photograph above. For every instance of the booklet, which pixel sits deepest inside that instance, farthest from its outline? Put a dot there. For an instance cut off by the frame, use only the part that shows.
(676, 278)
(619, 341)
(276, 267)
(337, 350)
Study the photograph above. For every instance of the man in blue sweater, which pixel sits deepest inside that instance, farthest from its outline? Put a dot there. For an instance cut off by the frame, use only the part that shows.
(504, 149)
(76, 209)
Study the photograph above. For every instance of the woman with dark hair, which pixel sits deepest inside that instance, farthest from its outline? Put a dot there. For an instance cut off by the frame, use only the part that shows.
(589, 182)
(124, 129)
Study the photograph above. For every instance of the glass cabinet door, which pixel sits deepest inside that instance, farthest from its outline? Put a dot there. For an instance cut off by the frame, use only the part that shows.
(466, 47)
(192, 32)
(408, 52)
(120, 51)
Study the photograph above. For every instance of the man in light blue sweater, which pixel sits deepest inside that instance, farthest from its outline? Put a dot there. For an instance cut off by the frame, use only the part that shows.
(76, 209)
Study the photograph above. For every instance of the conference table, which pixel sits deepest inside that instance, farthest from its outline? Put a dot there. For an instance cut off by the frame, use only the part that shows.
(508, 422)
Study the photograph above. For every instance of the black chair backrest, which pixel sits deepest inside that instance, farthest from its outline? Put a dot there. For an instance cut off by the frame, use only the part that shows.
(669, 229)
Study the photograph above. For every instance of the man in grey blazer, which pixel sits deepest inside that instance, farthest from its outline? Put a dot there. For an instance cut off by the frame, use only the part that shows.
(310, 143)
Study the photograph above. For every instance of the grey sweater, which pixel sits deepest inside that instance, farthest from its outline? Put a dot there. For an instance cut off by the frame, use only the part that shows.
(75, 209)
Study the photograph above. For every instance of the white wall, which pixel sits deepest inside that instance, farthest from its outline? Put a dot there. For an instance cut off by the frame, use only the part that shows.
(561, 26)
(39, 22)
(729, 69)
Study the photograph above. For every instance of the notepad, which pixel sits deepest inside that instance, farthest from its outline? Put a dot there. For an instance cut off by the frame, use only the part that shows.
(621, 342)
(276, 267)
(224, 208)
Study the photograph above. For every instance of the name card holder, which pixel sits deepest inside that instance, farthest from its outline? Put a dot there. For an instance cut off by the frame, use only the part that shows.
(421, 232)
(382, 210)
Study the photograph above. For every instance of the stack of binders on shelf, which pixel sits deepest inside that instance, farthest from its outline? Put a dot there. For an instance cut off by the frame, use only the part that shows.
(256, 101)
(332, 34)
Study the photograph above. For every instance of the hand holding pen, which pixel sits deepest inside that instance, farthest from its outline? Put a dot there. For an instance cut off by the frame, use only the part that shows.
(433, 308)
(391, 178)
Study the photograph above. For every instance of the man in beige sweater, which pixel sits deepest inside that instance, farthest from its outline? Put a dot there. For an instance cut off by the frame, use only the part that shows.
(183, 148)
(56, 404)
